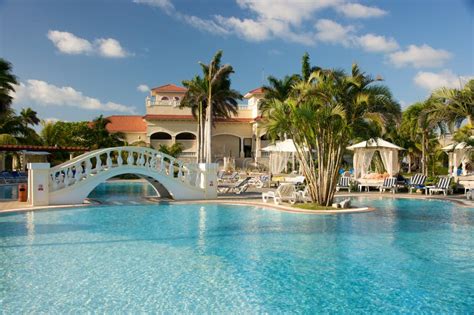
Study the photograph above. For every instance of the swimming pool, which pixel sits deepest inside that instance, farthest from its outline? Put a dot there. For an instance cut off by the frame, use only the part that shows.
(121, 190)
(410, 256)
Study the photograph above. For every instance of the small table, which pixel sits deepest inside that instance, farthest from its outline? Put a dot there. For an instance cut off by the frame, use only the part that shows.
(427, 188)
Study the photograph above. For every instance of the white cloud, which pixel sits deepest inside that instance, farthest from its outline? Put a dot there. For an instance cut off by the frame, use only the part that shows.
(420, 56)
(165, 5)
(143, 88)
(68, 43)
(203, 25)
(377, 43)
(52, 120)
(291, 12)
(45, 94)
(446, 78)
(111, 48)
(331, 32)
(357, 10)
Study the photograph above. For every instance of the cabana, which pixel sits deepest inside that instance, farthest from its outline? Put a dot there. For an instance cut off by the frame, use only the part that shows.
(459, 155)
(280, 153)
(364, 152)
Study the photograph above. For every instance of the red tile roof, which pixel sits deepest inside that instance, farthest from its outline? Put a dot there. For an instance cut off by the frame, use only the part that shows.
(169, 117)
(190, 117)
(169, 88)
(20, 147)
(128, 123)
(257, 91)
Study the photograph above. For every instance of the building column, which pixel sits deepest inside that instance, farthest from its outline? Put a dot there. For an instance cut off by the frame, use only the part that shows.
(242, 154)
(38, 184)
(173, 140)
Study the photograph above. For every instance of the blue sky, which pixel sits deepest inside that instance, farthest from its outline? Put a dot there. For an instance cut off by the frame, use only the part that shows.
(77, 59)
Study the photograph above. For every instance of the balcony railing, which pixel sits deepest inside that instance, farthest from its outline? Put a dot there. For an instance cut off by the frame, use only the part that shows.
(155, 102)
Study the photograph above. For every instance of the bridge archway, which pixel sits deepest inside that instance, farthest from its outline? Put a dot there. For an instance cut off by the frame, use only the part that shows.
(72, 181)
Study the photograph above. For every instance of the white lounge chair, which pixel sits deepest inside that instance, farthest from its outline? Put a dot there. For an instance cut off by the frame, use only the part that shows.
(416, 182)
(389, 183)
(284, 192)
(441, 186)
(303, 195)
(344, 183)
(346, 203)
(237, 188)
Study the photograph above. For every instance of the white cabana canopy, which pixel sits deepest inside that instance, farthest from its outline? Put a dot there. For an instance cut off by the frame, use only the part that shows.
(280, 153)
(364, 151)
(458, 153)
(281, 146)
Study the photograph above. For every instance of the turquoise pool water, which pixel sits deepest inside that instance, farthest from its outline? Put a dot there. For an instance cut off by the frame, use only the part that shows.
(408, 257)
(122, 191)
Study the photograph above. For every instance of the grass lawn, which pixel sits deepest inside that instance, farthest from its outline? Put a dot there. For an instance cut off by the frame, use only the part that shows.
(313, 206)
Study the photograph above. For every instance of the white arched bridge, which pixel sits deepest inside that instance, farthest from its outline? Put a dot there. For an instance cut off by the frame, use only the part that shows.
(72, 181)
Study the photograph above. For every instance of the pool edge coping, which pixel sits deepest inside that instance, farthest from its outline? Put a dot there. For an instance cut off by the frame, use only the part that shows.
(254, 203)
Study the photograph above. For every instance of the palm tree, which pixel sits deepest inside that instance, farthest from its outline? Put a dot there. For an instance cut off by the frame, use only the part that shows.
(211, 97)
(173, 150)
(277, 89)
(195, 98)
(419, 125)
(29, 117)
(322, 115)
(453, 106)
(7, 85)
(99, 137)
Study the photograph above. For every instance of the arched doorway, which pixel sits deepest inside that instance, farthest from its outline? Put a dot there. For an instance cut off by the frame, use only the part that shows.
(188, 140)
(160, 138)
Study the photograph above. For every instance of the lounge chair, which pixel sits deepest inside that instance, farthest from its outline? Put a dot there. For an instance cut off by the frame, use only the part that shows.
(284, 192)
(344, 183)
(303, 195)
(237, 188)
(346, 203)
(416, 182)
(441, 186)
(389, 183)
(230, 178)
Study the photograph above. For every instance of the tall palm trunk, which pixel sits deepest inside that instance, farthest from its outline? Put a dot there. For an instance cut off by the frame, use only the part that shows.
(424, 158)
(209, 121)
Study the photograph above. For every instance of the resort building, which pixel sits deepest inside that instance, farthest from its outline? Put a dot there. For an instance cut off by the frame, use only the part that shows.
(240, 137)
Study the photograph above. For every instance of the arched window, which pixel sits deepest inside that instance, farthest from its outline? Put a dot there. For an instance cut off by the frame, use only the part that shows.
(185, 136)
(160, 136)
(165, 98)
(176, 98)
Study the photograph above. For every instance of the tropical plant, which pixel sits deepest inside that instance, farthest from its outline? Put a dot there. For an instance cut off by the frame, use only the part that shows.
(420, 127)
(29, 117)
(173, 150)
(7, 85)
(277, 89)
(7, 139)
(322, 115)
(454, 106)
(15, 126)
(97, 136)
(210, 97)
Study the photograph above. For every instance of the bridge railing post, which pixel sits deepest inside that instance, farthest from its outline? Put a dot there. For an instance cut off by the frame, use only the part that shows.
(38, 184)
(208, 180)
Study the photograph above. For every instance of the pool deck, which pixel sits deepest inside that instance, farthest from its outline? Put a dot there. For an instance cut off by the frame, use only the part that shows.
(253, 198)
